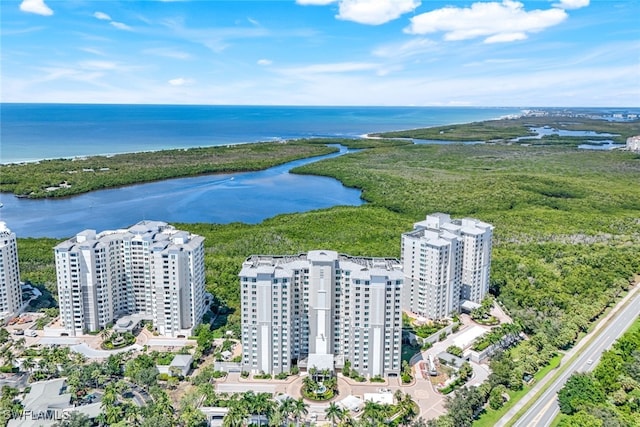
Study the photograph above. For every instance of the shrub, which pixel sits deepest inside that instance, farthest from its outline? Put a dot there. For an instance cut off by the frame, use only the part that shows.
(244, 374)
(262, 376)
(406, 378)
(455, 350)
(377, 379)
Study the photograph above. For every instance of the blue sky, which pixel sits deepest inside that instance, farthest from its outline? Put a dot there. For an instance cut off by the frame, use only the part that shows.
(322, 52)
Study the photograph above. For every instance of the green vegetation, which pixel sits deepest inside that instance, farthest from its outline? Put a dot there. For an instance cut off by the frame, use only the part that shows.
(456, 351)
(462, 376)
(507, 129)
(118, 340)
(567, 234)
(611, 394)
(75, 176)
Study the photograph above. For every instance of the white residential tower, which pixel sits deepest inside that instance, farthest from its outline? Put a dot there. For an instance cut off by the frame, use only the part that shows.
(445, 263)
(150, 269)
(10, 290)
(320, 309)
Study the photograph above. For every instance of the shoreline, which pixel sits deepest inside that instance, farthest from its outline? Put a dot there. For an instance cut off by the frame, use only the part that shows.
(334, 126)
(113, 154)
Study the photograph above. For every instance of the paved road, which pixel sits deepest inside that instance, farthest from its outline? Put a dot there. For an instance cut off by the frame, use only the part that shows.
(546, 407)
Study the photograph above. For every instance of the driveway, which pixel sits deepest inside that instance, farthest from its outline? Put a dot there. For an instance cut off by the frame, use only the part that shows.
(92, 353)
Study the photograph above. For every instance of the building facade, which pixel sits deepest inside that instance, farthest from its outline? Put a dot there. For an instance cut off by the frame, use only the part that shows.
(150, 269)
(445, 262)
(10, 290)
(320, 309)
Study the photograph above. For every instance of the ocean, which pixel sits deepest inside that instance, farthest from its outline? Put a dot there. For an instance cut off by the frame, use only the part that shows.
(30, 132)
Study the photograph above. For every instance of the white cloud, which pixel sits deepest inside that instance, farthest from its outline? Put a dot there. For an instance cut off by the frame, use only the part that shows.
(498, 22)
(370, 12)
(572, 4)
(375, 12)
(36, 6)
(120, 26)
(180, 81)
(506, 37)
(333, 68)
(406, 49)
(98, 65)
(265, 62)
(92, 51)
(102, 16)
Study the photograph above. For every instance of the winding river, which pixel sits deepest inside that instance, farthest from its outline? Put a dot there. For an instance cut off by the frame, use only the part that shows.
(249, 197)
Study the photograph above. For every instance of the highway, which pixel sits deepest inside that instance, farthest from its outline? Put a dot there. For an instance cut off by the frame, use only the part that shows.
(545, 409)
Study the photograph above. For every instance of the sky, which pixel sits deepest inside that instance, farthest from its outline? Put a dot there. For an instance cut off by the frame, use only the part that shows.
(555, 53)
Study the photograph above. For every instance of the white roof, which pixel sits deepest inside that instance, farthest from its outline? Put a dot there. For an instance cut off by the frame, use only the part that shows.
(465, 339)
(381, 398)
(351, 402)
(321, 361)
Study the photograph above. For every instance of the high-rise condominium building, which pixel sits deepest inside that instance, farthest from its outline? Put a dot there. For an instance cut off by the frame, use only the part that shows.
(321, 309)
(150, 269)
(445, 262)
(10, 291)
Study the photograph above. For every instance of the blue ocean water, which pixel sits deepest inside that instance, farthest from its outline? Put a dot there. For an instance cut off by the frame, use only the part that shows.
(42, 131)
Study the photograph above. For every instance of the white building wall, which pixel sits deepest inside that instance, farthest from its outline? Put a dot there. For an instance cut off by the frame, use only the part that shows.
(140, 270)
(445, 262)
(10, 291)
(314, 308)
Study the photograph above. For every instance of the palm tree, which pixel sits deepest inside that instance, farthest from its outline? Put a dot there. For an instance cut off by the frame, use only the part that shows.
(276, 419)
(309, 383)
(109, 397)
(9, 357)
(299, 410)
(113, 414)
(373, 413)
(398, 396)
(105, 334)
(407, 409)
(263, 405)
(28, 364)
(236, 416)
(334, 413)
(313, 371)
(287, 407)
(78, 359)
